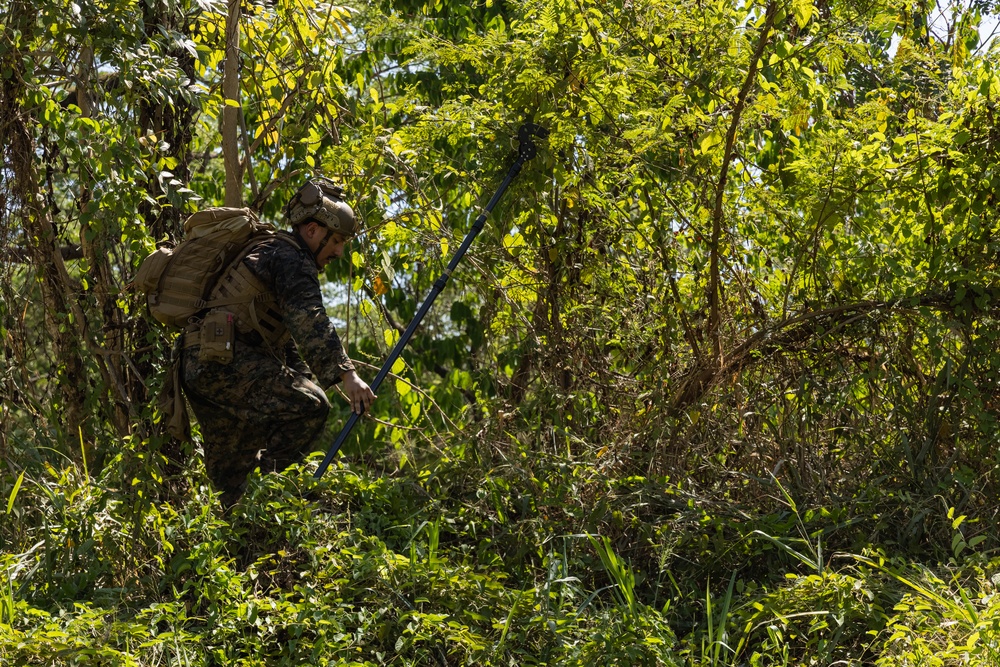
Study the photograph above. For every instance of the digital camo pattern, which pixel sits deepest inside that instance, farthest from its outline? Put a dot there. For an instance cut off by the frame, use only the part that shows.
(255, 411)
(265, 409)
(290, 272)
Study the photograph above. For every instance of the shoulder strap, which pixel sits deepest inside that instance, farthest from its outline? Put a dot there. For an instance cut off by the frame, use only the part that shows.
(290, 239)
(251, 245)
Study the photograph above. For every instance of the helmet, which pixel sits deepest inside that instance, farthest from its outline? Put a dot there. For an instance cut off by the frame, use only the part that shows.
(320, 200)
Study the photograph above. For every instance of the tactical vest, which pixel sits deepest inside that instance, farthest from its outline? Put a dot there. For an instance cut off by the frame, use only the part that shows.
(251, 305)
(259, 314)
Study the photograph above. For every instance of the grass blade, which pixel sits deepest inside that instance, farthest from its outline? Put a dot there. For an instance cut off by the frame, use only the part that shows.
(13, 494)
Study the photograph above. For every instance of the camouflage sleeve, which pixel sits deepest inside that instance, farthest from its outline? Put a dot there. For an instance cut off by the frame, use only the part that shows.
(291, 273)
(294, 360)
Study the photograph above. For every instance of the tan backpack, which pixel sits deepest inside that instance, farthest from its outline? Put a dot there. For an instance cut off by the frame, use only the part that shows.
(178, 281)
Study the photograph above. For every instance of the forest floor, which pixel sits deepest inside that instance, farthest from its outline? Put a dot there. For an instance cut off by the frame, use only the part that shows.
(524, 560)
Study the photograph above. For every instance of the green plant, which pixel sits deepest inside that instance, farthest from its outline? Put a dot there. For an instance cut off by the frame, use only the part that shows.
(716, 638)
(621, 574)
(7, 602)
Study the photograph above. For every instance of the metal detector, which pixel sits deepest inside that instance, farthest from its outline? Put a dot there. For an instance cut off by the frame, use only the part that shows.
(526, 150)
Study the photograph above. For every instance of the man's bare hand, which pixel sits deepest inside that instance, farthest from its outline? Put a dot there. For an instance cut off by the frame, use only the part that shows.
(357, 391)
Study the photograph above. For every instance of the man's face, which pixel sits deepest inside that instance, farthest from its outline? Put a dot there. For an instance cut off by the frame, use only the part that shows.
(314, 233)
(333, 250)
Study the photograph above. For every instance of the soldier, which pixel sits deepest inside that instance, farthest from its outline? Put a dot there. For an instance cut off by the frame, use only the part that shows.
(266, 407)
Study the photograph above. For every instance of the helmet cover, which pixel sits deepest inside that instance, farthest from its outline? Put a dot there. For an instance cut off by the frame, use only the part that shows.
(320, 200)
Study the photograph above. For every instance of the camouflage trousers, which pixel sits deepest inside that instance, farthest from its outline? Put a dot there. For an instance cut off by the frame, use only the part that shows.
(254, 412)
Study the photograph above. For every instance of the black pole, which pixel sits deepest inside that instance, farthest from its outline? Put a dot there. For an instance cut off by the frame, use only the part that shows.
(526, 151)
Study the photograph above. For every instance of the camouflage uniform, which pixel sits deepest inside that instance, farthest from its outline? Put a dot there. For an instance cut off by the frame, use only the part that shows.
(266, 408)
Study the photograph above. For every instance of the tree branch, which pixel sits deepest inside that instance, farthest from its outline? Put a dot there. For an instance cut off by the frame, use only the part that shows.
(720, 189)
(793, 331)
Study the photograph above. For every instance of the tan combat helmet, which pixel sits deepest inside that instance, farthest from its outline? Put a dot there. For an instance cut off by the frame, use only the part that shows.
(321, 200)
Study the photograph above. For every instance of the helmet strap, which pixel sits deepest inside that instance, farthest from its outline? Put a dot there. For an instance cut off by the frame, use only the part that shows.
(322, 244)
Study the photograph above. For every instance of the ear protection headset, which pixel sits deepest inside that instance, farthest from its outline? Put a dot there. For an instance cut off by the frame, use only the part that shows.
(321, 200)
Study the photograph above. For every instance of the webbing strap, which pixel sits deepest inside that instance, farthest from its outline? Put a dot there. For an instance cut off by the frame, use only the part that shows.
(199, 304)
(322, 244)
(190, 338)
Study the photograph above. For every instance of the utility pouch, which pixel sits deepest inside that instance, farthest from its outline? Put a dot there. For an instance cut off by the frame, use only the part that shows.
(217, 337)
(170, 403)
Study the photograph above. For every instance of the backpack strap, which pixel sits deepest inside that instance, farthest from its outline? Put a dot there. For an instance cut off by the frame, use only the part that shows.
(202, 304)
(250, 246)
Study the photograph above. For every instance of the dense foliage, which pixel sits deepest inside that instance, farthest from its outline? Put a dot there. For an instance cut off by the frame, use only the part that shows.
(717, 385)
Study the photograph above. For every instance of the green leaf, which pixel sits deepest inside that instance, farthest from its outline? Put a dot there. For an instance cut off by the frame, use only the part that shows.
(13, 493)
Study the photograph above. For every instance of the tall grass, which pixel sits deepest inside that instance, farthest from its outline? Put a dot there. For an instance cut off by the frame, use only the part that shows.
(7, 568)
(380, 570)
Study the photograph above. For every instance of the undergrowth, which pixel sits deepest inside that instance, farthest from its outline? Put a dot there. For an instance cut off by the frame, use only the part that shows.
(448, 561)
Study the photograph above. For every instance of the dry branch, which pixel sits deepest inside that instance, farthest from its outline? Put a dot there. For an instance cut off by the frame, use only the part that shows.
(791, 333)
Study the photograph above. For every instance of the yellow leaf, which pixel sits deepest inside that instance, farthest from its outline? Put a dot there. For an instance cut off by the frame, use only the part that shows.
(398, 366)
(711, 140)
(803, 10)
(232, 103)
(434, 219)
(403, 388)
(379, 286)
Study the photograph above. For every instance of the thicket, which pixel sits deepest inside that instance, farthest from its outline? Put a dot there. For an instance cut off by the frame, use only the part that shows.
(718, 385)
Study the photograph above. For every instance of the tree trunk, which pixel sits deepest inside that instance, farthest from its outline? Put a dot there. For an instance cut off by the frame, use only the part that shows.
(231, 110)
(62, 315)
(96, 247)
